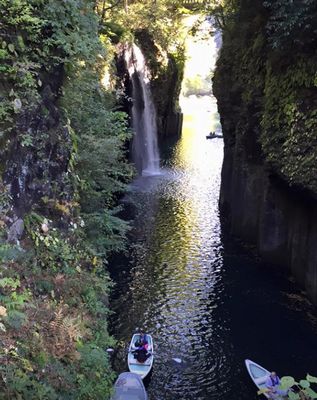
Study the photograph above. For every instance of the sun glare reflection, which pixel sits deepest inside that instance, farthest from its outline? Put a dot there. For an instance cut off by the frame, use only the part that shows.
(180, 254)
(182, 207)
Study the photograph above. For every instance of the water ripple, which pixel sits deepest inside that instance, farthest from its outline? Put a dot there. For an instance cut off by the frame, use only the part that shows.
(199, 300)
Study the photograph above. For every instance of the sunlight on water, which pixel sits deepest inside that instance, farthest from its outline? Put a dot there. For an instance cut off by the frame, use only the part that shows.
(175, 262)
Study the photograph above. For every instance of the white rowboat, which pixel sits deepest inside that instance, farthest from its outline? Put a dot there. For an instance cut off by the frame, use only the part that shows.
(258, 374)
(141, 369)
(129, 387)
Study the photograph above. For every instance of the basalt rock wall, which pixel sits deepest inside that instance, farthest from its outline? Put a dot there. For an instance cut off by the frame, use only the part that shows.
(282, 222)
(267, 96)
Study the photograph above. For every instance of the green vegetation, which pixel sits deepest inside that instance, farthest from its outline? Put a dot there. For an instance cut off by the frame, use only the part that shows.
(299, 390)
(100, 134)
(60, 129)
(266, 77)
(197, 85)
(162, 20)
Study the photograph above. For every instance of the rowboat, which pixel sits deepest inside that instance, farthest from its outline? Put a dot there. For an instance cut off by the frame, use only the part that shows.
(141, 369)
(129, 386)
(259, 376)
(213, 135)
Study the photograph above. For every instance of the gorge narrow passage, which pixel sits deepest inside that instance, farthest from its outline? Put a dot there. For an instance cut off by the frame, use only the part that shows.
(185, 281)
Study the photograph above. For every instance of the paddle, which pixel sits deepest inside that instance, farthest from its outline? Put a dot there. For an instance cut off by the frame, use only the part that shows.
(177, 360)
(149, 352)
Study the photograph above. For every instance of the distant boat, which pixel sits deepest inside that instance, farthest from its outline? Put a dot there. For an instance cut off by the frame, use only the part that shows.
(140, 368)
(129, 386)
(213, 135)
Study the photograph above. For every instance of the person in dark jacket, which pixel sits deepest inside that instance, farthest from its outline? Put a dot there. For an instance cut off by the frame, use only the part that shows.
(141, 353)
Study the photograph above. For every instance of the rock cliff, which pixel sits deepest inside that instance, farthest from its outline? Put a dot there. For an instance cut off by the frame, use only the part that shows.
(265, 84)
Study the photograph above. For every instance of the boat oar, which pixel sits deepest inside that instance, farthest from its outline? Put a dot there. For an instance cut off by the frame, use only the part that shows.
(149, 352)
(152, 353)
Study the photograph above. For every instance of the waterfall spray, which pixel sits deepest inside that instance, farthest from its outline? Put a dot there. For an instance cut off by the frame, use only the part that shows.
(144, 146)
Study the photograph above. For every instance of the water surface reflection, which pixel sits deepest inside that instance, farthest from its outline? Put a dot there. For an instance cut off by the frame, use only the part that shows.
(190, 286)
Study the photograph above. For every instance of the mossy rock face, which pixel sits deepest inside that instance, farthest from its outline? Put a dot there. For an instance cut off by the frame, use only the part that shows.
(266, 88)
(37, 156)
(265, 84)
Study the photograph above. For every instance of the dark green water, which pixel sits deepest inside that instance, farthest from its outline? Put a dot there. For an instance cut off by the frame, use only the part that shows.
(204, 300)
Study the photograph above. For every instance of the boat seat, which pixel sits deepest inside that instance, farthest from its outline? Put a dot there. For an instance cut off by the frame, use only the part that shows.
(135, 348)
(135, 362)
(261, 380)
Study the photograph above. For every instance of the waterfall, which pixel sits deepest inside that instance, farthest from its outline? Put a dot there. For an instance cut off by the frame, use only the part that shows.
(145, 151)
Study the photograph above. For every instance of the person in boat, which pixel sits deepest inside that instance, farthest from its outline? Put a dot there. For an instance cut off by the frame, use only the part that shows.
(213, 135)
(272, 384)
(142, 341)
(141, 352)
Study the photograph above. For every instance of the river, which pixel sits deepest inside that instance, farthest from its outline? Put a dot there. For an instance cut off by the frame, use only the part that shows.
(204, 299)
